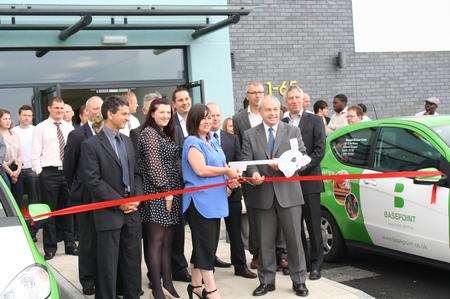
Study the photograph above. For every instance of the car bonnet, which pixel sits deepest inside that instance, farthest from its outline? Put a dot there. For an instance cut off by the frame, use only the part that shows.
(15, 251)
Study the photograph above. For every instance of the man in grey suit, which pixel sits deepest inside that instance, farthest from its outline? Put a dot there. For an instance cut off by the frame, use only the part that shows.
(275, 203)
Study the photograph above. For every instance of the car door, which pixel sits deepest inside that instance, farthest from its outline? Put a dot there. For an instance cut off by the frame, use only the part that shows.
(351, 155)
(399, 214)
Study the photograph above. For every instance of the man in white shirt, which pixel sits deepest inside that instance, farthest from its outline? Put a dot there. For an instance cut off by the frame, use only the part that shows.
(182, 103)
(47, 155)
(339, 118)
(133, 122)
(25, 131)
(431, 105)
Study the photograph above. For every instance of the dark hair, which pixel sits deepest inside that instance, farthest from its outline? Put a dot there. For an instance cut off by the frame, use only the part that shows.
(177, 90)
(81, 109)
(320, 104)
(3, 112)
(357, 109)
(112, 103)
(25, 108)
(196, 114)
(342, 98)
(56, 99)
(245, 103)
(363, 107)
(168, 130)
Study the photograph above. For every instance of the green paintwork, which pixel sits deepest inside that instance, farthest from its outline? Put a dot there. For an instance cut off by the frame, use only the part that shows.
(38, 258)
(355, 229)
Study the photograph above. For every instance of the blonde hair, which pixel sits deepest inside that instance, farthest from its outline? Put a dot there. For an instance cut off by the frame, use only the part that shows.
(97, 123)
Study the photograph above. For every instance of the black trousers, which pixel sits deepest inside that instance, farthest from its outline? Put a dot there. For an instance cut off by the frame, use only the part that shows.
(234, 223)
(312, 213)
(31, 185)
(55, 194)
(179, 261)
(119, 248)
(87, 250)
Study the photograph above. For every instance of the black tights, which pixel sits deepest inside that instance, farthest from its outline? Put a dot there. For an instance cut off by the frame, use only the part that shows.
(159, 240)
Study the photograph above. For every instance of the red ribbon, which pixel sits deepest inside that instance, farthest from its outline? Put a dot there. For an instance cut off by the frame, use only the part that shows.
(433, 194)
(139, 198)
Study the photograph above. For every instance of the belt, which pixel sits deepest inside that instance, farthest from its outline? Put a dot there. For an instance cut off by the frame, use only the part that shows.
(53, 167)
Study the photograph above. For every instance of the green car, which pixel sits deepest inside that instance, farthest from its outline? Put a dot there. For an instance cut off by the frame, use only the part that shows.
(24, 272)
(405, 217)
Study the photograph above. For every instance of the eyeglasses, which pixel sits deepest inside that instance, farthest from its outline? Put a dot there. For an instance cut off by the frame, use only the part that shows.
(255, 92)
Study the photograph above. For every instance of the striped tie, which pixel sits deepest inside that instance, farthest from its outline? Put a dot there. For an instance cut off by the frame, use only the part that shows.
(61, 141)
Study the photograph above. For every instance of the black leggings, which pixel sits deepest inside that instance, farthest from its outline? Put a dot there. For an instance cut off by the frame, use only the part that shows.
(159, 240)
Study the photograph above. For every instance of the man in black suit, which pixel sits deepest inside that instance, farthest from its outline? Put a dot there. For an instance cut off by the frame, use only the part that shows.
(182, 103)
(232, 149)
(78, 195)
(108, 163)
(313, 134)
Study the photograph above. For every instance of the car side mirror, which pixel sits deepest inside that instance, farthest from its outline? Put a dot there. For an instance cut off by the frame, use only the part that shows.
(430, 180)
(38, 209)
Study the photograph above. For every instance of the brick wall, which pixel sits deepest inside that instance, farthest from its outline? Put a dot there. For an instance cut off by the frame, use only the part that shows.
(300, 39)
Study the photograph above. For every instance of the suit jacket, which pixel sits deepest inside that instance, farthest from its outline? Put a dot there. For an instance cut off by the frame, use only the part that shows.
(241, 123)
(232, 149)
(102, 176)
(71, 162)
(179, 136)
(254, 147)
(134, 136)
(313, 135)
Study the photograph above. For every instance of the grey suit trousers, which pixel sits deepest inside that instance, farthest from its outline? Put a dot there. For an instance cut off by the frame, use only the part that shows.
(289, 220)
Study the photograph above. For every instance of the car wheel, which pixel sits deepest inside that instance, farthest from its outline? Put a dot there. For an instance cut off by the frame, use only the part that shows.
(333, 244)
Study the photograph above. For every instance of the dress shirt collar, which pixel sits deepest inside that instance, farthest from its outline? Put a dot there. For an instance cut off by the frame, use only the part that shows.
(90, 123)
(266, 129)
(249, 111)
(211, 134)
(344, 111)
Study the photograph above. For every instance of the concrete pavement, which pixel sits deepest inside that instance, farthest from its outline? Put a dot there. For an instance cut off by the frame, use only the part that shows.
(230, 286)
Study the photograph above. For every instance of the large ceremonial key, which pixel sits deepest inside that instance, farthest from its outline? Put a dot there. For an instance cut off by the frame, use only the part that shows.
(288, 163)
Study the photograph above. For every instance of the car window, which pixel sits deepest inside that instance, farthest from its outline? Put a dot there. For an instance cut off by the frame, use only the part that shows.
(444, 133)
(354, 148)
(399, 149)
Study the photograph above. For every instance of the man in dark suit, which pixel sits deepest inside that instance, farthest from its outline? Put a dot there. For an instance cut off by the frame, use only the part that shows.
(313, 134)
(108, 163)
(242, 121)
(232, 149)
(72, 172)
(182, 103)
(275, 204)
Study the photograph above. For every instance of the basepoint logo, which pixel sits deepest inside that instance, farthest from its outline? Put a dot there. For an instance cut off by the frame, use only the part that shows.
(399, 202)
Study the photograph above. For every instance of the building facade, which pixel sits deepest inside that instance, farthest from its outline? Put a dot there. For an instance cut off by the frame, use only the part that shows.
(284, 40)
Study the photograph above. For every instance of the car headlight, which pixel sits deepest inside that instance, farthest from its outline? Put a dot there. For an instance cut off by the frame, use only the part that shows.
(31, 283)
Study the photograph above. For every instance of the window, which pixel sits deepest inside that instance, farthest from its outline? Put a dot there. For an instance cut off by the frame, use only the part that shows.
(400, 149)
(354, 148)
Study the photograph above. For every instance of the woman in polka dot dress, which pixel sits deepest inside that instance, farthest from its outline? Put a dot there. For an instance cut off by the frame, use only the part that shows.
(159, 165)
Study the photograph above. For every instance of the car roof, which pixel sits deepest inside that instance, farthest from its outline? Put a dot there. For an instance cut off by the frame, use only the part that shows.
(427, 120)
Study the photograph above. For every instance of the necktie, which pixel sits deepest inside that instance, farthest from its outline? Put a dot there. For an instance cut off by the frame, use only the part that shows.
(271, 142)
(123, 158)
(61, 141)
(216, 136)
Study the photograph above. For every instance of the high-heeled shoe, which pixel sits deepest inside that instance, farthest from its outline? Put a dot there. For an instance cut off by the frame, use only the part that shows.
(170, 292)
(205, 293)
(190, 291)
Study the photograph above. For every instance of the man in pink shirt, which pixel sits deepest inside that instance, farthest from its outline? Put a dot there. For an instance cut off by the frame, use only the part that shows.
(47, 154)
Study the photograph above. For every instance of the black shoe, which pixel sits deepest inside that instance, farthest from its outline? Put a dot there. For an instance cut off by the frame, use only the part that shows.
(300, 289)
(89, 291)
(205, 293)
(221, 264)
(49, 255)
(182, 275)
(141, 293)
(190, 291)
(73, 250)
(245, 272)
(34, 239)
(285, 271)
(263, 289)
(315, 274)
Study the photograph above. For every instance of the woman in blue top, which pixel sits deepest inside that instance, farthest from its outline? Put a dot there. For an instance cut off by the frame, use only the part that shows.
(203, 162)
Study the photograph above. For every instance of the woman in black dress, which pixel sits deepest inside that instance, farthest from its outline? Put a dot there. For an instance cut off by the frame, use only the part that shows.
(159, 164)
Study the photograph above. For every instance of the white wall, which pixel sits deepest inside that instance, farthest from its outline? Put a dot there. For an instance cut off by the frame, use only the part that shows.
(401, 25)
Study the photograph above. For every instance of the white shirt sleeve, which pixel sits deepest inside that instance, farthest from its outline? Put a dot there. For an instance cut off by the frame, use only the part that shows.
(36, 150)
